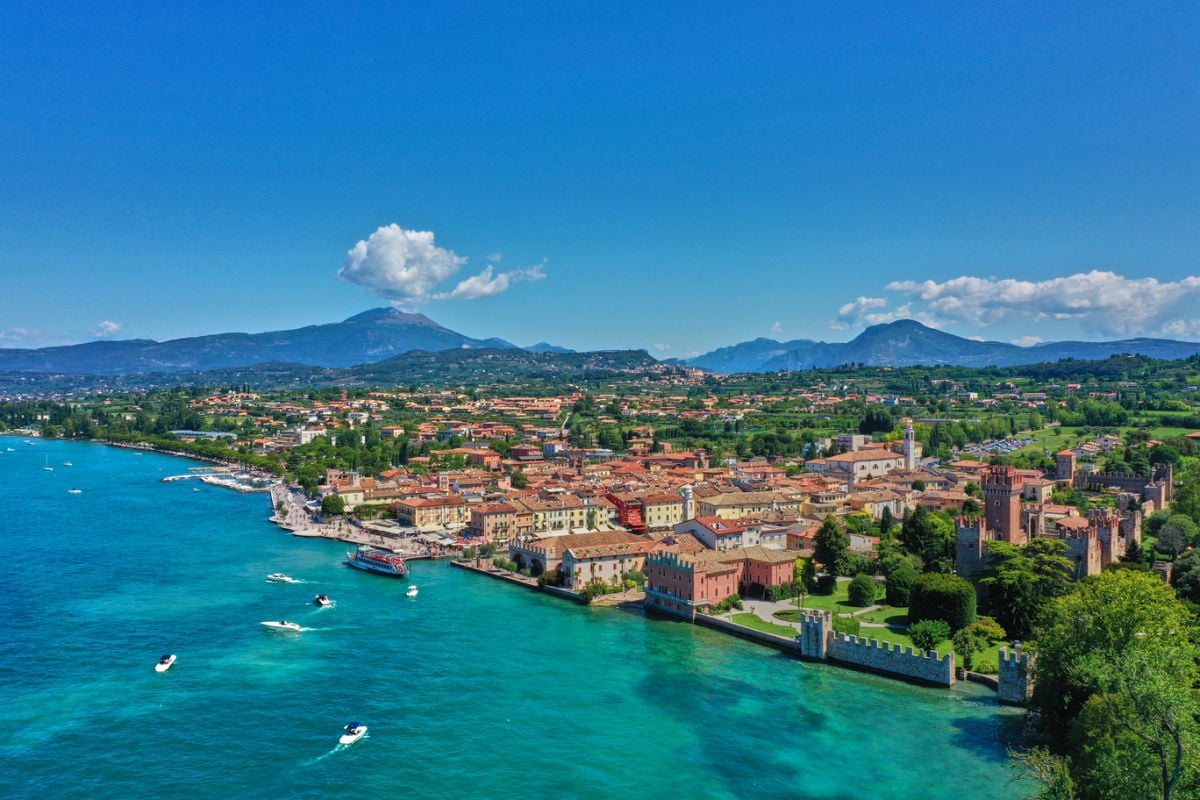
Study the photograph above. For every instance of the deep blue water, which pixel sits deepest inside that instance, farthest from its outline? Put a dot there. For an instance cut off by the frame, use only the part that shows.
(474, 689)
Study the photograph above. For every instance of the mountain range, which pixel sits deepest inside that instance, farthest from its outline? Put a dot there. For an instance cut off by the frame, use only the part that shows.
(383, 333)
(909, 343)
(365, 338)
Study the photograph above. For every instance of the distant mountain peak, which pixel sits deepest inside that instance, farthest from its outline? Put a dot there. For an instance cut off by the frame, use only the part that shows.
(907, 342)
(393, 316)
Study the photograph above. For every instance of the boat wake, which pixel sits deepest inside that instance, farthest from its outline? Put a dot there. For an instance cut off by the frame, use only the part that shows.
(337, 748)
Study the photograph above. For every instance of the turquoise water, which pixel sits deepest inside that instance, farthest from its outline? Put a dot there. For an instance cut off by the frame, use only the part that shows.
(474, 689)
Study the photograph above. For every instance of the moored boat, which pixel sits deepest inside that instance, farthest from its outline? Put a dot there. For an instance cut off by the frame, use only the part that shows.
(165, 663)
(383, 562)
(353, 732)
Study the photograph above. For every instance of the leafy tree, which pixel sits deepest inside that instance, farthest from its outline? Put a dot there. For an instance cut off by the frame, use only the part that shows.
(928, 634)
(1185, 576)
(930, 538)
(1020, 581)
(876, 419)
(945, 597)
(333, 504)
(918, 485)
(1123, 637)
(863, 590)
(805, 573)
(518, 479)
(831, 544)
(899, 585)
(1180, 527)
(967, 643)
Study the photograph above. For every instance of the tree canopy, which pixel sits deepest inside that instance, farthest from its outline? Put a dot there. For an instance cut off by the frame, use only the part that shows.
(1117, 664)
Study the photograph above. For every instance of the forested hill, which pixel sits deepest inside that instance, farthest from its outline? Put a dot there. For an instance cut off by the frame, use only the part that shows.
(445, 368)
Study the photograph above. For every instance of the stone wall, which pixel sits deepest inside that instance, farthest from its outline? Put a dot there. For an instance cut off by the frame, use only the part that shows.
(893, 659)
(818, 640)
(1016, 683)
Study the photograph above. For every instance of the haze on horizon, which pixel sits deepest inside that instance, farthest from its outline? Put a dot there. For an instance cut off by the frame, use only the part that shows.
(625, 176)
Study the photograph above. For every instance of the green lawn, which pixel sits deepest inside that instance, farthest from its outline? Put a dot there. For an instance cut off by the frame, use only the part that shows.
(759, 624)
(887, 615)
(1051, 440)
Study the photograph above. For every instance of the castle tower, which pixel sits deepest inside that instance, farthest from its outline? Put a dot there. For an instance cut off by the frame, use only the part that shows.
(970, 553)
(910, 446)
(1066, 465)
(1002, 488)
(1108, 531)
(1083, 548)
(1016, 678)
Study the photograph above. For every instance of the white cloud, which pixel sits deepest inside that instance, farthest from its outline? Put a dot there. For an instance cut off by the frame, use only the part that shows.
(1027, 341)
(20, 334)
(107, 328)
(406, 267)
(1104, 303)
(1181, 327)
(776, 327)
(495, 258)
(403, 266)
(485, 285)
(662, 348)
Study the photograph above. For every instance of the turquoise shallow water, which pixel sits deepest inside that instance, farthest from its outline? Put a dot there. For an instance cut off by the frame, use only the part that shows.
(474, 689)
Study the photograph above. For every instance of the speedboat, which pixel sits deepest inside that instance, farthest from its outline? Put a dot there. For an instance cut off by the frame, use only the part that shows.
(165, 663)
(68, 464)
(323, 600)
(412, 591)
(283, 625)
(279, 577)
(353, 732)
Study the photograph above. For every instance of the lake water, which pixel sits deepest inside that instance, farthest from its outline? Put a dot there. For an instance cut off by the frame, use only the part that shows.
(473, 689)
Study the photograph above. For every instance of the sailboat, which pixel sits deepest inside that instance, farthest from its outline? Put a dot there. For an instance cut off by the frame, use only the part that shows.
(47, 467)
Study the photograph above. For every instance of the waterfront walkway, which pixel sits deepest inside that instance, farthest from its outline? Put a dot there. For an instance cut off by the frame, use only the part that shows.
(294, 517)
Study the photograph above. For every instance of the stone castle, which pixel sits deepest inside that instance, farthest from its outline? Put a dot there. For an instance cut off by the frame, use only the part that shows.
(1092, 542)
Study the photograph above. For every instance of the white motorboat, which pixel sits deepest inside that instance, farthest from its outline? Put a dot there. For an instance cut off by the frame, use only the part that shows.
(323, 600)
(412, 591)
(68, 464)
(279, 577)
(74, 491)
(353, 732)
(283, 625)
(165, 663)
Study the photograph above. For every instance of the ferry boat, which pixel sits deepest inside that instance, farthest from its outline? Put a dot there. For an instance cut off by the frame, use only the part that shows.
(383, 562)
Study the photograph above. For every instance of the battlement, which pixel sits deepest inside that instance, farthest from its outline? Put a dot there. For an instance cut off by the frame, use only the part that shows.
(893, 659)
(667, 558)
(1079, 534)
(1016, 678)
(1001, 478)
(818, 640)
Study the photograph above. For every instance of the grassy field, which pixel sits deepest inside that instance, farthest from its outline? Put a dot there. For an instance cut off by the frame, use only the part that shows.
(1051, 440)
(759, 624)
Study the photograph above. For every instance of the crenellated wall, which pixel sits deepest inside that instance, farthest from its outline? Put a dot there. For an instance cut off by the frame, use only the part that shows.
(1016, 681)
(818, 640)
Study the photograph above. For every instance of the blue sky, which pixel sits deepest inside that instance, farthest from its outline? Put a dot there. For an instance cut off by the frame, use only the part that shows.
(674, 177)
